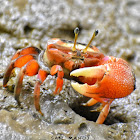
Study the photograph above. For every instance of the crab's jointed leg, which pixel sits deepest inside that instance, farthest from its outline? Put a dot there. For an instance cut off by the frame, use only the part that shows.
(24, 59)
(18, 85)
(8, 73)
(60, 74)
(40, 79)
(104, 111)
(30, 69)
(90, 102)
(25, 51)
(19, 62)
(19, 59)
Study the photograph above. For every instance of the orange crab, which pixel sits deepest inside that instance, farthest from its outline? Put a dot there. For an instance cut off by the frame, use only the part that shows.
(105, 78)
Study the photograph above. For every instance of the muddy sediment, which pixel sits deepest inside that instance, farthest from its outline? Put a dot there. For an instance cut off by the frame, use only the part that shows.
(32, 22)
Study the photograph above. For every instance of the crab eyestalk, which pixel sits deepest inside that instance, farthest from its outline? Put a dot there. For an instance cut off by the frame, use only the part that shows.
(93, 36)
(76, 32)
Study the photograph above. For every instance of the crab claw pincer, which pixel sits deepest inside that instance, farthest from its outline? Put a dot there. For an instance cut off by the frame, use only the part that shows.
(114, 79)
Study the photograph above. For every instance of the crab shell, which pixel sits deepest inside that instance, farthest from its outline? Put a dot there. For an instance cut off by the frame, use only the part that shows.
(59, 52)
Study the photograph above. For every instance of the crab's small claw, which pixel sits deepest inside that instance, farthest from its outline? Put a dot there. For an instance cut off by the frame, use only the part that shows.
(114, 79)
(60, 74)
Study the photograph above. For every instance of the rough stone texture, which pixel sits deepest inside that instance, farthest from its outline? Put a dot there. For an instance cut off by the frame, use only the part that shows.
(33, 22)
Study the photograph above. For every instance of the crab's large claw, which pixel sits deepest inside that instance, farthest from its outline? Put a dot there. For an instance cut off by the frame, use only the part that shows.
(114, 79)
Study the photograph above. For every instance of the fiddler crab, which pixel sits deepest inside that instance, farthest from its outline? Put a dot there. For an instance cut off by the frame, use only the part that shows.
(103, 78)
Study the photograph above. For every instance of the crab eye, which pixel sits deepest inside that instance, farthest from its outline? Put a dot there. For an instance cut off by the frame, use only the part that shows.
(76, 30)
(96, 32)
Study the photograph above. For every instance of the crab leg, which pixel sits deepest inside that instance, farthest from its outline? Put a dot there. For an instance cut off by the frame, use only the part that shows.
(25, 51)
(19, 56)
(41, 77)
(18, 85)
(19, 62)
(60, 74)
(8, 73)
(90, 102)
(30, 69)
(104, 112)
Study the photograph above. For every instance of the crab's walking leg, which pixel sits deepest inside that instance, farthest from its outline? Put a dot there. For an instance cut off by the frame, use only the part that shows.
(60, 74)
(90, 102)
(8, 73)
(25, 51)
(30, 69)
(22, 54)
(18, 85)
(19, 62)
(104, 112)
(41, 77)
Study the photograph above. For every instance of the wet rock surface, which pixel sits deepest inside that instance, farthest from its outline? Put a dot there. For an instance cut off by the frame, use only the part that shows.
(33, 22)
